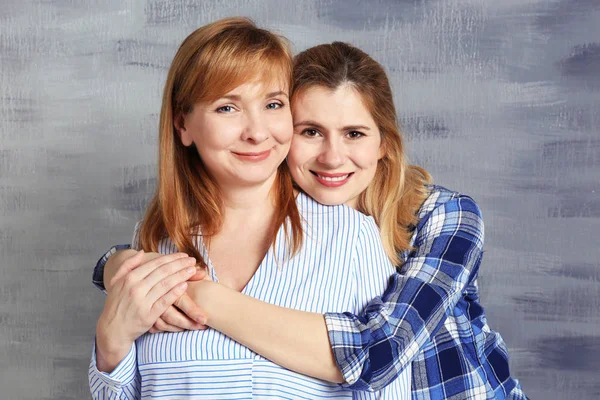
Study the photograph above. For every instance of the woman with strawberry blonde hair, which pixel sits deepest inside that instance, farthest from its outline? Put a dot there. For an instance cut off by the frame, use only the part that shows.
(225, 128)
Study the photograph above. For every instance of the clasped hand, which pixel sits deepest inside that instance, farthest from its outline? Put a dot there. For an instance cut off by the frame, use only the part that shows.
(148, 293)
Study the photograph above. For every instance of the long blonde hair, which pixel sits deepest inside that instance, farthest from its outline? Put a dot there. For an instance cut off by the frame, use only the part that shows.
(398, 190)
(210, 62)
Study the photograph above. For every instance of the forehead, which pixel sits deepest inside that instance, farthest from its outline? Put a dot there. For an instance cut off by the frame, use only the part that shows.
(258, 88)
(266, 77)
(335, 108)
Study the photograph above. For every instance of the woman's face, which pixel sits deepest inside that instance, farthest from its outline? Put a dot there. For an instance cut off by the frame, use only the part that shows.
(336, 144)
(243, 136)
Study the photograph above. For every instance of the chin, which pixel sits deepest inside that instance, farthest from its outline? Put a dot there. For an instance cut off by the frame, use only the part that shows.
(328, 200)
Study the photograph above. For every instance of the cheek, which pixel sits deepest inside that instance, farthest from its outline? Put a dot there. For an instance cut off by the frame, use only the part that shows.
(282, 128)
(367, 155)
(300, 153)
(216, 135)
(294, 156)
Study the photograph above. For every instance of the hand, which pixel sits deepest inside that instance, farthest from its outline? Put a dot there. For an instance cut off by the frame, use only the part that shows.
(195, 300)
(139, 296)
(184, 314)
(173, 320)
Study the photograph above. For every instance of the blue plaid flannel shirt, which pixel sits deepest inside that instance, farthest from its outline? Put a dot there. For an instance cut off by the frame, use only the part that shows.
(429, 318)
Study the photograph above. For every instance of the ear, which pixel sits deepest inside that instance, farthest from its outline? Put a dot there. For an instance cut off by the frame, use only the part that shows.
(184, 135)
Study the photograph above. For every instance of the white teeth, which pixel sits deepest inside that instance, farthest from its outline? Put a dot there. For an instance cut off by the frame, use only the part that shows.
(333, 179)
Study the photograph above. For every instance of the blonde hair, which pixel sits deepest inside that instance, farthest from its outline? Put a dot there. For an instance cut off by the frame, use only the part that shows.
(210, 62)
(398, 190)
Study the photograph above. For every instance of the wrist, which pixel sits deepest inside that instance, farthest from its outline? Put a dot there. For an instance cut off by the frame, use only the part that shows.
(207, 297)
(110, 347)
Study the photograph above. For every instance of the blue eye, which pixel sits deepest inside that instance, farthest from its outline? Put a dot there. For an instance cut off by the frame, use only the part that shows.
(274, 106)
(225, 109)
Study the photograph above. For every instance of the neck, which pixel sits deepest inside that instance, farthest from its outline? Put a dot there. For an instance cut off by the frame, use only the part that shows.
(249, 199)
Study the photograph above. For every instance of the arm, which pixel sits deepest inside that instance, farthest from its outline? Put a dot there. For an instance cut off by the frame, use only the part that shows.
(116, 260)
(276, 333)
(374, 347)
(123, 381)
(138, 297)
(102, 265)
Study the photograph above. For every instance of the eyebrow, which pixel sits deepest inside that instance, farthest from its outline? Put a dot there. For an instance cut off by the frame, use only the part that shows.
(345, 128)
(236, 97)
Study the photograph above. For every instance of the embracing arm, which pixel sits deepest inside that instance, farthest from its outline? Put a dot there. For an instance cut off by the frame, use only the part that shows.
(107, 265)
(296, 340)
(372, 348)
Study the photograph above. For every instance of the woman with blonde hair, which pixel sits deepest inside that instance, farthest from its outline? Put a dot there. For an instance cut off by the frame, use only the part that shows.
(225, 128)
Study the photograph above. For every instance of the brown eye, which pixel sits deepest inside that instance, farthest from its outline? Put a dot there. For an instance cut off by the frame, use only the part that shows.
(355, 135)
(310, 133)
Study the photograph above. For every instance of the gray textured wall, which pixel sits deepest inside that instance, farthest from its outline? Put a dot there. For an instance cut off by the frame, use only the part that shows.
(500, 99)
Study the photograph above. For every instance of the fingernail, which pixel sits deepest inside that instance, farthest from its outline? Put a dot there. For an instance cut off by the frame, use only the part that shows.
(200, 319)
(190, 270)
(192, 260)
(181, 287)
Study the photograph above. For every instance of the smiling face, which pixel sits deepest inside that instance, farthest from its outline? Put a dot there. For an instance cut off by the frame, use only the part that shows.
(243, 136)
(336, 144)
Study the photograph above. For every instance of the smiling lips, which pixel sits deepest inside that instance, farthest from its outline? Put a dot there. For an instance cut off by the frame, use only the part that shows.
(253, 157)
(332, 180)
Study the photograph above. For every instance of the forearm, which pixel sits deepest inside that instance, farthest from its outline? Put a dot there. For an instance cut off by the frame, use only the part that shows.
(113, 263)
(110, 378)
(296, 340)
(108, 356)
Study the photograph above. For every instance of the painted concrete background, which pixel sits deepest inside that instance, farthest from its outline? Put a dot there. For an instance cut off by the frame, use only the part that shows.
(499, 99)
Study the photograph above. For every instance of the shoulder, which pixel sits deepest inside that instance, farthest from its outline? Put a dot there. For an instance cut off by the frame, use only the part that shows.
(338, 224)
(448, 211)
(440, 199)
(329, 215)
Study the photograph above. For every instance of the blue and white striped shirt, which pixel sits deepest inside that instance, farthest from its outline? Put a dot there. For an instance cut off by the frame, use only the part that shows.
(327, 275)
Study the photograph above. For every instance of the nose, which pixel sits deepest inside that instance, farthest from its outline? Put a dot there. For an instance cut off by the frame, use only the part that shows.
(332, 154)
(255, 130)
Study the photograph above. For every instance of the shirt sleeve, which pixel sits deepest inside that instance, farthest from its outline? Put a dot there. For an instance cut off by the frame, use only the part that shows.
(123, 383)
(373, 348)
(98, 274)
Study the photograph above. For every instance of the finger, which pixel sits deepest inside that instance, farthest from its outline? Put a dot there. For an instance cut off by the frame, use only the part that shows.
(148, 267)
(199, 275)
(161, 304)
(128, 265)
(173, 316)
(166, 277)
(162, 326)
(191, 309)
